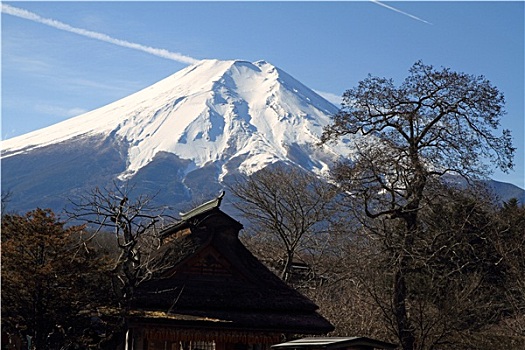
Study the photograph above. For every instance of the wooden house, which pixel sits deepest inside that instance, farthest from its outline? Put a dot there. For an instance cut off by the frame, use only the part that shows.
(214, 294)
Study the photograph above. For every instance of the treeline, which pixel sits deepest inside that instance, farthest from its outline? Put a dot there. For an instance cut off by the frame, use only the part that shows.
(465, 286)
(464, 278)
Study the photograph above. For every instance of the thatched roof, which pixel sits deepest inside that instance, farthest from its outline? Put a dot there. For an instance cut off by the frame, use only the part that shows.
(211, 279)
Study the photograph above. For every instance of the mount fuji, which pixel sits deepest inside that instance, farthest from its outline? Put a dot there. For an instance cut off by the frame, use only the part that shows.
(182, 137)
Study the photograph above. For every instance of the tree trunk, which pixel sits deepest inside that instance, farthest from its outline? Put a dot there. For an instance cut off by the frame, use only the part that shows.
(285, 274)
(404, 328)
(39, 327)
(400, 294)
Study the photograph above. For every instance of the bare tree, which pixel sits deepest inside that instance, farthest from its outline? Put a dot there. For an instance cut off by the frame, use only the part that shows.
(5, 198)
(510, 244)
(352, 295)
(134, 223)
(437, 122)
(457, 282)
(288, 206)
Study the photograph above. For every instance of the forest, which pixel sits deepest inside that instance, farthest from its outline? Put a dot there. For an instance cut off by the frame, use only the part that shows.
(403, 243)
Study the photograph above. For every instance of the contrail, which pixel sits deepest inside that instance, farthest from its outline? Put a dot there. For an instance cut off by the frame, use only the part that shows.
(399, 11)
(18, 12)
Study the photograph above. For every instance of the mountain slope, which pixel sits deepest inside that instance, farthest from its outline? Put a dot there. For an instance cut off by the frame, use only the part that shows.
(182, 139)
(188, 132)
(212, 111)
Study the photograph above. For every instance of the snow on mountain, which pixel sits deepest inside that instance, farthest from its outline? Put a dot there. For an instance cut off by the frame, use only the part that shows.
(182, 138)
(221, 112)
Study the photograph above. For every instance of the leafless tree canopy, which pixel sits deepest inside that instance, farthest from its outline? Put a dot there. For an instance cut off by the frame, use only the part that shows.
(135, 226)
(436, 122)
(289, 206)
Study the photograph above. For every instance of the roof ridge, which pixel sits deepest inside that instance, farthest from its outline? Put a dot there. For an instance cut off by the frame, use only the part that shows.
(212, 204)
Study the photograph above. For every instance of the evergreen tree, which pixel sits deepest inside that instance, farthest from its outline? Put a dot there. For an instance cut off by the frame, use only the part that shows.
(51, 283)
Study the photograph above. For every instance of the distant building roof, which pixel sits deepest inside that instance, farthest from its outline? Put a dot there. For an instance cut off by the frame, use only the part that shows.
(334, 343)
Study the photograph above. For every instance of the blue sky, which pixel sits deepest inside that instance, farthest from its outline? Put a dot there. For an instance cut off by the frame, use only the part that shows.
(55, 70)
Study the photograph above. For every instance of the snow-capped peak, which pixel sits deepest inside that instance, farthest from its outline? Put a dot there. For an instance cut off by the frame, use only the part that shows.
(212, 111)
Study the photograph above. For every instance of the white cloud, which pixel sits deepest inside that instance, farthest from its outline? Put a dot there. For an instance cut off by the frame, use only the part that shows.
(27, 64)
(330, 97)
(59, 111)
(21, 13)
